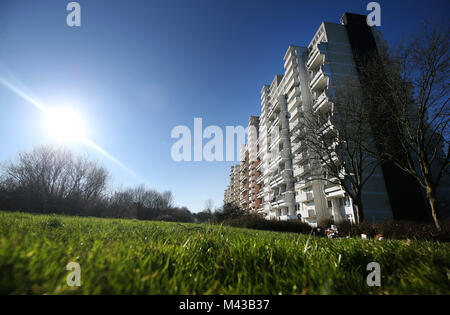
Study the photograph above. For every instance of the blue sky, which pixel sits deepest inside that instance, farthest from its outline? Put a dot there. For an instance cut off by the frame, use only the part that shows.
(136, 69)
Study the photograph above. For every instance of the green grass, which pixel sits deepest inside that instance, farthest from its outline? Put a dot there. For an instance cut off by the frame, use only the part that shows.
(135, 257)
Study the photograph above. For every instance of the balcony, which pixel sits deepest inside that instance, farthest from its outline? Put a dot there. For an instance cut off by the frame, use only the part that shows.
(294, 102)
(327, 124)
(301, 184)
(294, 124)
(315, 60)
(276, 179)
(296, 113)
(260, 179)
(318, 80)
(291, 73)
(278, 201)
(291, 62)
(275, 142)
(305, 197)
(275, 160)
(292, 56)
(295, 81)
(274, 124)
(301, 157)
(321, 101)
(300, 171)
(296, 147)
(334, 190)
(272, 109)
(295, 92)
(260, 194)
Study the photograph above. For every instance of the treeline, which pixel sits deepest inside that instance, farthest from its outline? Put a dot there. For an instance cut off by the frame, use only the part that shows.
(54, 180)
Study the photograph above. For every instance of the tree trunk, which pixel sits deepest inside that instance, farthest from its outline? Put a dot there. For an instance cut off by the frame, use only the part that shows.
(359, 212)
(431, 196)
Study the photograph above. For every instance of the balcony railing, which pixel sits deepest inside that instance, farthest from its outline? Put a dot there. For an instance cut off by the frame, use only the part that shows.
(295, 92)
(305, 197)
(301, 170)
(275, 160)
(320, 100)
(294, 102)
(301, 157)
(315, 76)
(291, 62)
(314, 58)
(296, 147)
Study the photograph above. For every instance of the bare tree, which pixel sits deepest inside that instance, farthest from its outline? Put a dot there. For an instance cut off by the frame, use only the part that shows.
(49, 178)
(336, 140)
(410, 86)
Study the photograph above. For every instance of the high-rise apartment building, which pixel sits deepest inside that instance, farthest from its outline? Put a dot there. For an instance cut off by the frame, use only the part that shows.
(277, 183)
(233, 192)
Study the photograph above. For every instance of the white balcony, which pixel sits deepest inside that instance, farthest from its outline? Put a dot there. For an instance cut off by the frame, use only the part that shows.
(315, 60)
(300, 171)
(291, 62)
(301, 157)
(272, 109)
(296, 113)
(332, 190)
(294, 103)
(295, 81)
(276, 179)
(260, 179)
(321, 101)
(318, 80)
(274, 126)
(287, 218)
(291, 73)
(294, 124)
(325, 126)
(296, 147)
(274, 142)
(278, 201)
(305, 197)
(302, 184)
(292, 56)
(295, 92)
(275, 160)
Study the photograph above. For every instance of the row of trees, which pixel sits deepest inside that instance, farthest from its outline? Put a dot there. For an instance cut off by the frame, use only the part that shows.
(54, 180)
(399, 118)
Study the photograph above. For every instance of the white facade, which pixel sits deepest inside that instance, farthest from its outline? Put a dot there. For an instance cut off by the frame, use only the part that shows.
(311, 75)
(309, 83)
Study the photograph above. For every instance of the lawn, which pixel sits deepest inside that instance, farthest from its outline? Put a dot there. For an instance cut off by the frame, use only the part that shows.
(138, 257)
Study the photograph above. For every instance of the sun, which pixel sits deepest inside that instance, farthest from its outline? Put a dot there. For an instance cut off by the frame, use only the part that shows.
(65, 124)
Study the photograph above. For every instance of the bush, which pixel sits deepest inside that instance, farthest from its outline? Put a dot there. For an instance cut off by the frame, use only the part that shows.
(346, 228)
(413, 230)
(325, 222)
(397, 230)
(258, 223)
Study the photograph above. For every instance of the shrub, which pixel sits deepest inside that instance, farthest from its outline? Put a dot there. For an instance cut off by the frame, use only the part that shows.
(258, 223)
(166, 218)
(397, 230)
(325, 222)
(346, 228)
(413, 230)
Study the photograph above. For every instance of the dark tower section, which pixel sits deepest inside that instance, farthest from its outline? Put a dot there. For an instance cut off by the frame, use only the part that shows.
(405, 195)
